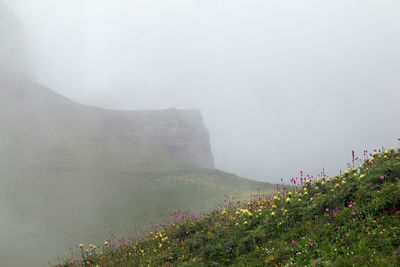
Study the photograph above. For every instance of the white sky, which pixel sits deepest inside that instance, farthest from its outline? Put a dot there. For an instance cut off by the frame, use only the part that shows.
(283, 85)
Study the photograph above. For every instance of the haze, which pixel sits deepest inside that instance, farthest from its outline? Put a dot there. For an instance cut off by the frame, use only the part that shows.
(283, 86)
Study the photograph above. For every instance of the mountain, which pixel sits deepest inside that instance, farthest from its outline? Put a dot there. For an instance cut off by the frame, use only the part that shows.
(71, 172)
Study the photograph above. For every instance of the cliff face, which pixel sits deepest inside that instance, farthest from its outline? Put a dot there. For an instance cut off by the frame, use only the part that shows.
(33, 117)
(32, 114)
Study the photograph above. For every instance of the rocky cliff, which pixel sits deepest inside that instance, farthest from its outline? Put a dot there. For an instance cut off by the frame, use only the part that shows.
(27, 107)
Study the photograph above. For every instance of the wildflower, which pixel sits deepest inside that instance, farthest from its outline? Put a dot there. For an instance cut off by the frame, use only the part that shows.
(309, 243)
(81, 245)
(307, 181)
(350, 206)
(288, 200)
(105, 243)
(293, 242)
(382, 177)
(315, 261)
(273, 213)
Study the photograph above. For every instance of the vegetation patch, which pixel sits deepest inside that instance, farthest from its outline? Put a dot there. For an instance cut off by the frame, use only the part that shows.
(351, 220)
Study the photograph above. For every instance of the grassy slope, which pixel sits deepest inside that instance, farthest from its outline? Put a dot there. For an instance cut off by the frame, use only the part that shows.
(351, 220)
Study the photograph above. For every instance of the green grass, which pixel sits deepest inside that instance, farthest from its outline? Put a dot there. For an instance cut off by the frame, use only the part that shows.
(348, 220)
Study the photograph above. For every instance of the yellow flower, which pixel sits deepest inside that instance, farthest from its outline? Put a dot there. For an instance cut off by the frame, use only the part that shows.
(288, 200)
(273, 213)
(81, 245)
(105, 243)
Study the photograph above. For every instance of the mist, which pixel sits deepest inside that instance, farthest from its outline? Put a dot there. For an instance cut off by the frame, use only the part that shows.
(282, 85)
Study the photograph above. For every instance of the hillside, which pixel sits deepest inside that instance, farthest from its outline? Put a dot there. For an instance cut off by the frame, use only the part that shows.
(347, 220)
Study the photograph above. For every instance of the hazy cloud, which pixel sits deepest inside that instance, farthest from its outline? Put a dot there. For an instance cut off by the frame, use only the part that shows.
(283, 85)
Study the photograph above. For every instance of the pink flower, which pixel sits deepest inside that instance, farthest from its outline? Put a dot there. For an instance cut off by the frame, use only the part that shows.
(350, 206)
(309, 243)
(382, 177)
(282, 246)
(315, 261)
(293, 242)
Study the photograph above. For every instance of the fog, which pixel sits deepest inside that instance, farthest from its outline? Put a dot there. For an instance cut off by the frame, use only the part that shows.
(282, 85)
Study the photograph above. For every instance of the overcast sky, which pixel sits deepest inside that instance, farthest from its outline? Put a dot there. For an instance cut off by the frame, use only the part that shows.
(283, 85)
